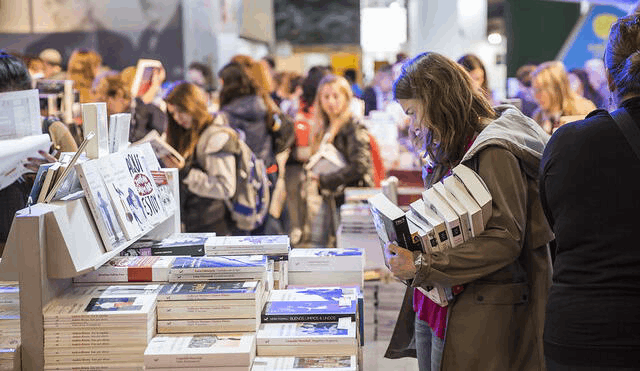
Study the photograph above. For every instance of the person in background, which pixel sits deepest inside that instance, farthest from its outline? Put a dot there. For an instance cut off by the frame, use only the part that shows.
(525, 93)
(282, 82)
(501, 276)
(397, 66)
(378, 95)
(474, 66)
(146, 115)
(589, 195)
(36, 69)
(208, 145)
(338, 126)
(201, 75)
(598, 78)
(579, 81)
(83, 67)
(291, 105)
(554, 96)
(114, 93)
(352, 77)
(52, 64)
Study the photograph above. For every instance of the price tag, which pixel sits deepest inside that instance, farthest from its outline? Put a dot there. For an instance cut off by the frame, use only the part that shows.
(344, 323)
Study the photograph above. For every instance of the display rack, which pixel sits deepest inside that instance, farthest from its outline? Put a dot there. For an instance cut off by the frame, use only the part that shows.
(47, 246)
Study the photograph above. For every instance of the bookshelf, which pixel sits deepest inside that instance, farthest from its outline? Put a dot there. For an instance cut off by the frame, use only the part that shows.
(47, 246)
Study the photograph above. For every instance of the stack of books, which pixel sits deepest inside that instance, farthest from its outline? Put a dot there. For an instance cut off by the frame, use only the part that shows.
(212, 307)
(326, 267)
(357, 230)
(326, 363)
(310, 322)
(9, 326)
(187, 244)
(130, 269)
(224, 352)
(278, 271)
(218, 268)
(98, 326)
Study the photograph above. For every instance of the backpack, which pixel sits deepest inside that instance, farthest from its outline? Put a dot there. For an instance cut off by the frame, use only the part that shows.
(249, 205)
(302, 148)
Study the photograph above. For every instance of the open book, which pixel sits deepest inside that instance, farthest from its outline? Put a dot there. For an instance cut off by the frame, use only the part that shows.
(161, 147)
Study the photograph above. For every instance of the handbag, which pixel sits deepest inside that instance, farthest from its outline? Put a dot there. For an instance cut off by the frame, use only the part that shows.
(282, 132)
(629, 128)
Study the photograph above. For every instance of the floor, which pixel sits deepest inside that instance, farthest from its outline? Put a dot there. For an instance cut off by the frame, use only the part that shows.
(374, 361)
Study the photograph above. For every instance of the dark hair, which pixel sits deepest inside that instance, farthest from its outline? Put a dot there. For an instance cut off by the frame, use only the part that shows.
(206, 73)
(310, 86)
(471, 62)
(401, 57)
(451, 109)
(296, 81)
(350, 74)
(13, 73)
(588, 91)
(271, 61)
(189, 98)
(622, 55)
(235, 83)
(524, 74)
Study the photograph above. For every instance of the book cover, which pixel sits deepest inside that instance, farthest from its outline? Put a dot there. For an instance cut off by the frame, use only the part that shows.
(182, 326)
(144, 74)
(48, 181)
(327, 363)
(94, 119)
(308, 311)
(243, 245)
(338, 259)
(240, 263)
(307, 333)
(131, 269)
(434, 201)
(455, 186)
(145, 190)
(459, 209)
(200, 350)
(212, 290)
(159, 176)
(100, 204)
(477, 188)
(421, 232)
(119, 125)
(428, 216)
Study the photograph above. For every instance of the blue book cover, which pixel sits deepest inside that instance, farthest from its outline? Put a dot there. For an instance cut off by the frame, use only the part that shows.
(316, 294)
(240, 261)
(320, 329)
(8, 290)
(311, 311)
(211, 288)
(338, 252)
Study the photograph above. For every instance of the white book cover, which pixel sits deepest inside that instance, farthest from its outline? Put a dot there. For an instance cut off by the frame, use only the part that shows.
(19, 114)
(200, 350)
(100, 204)
(230, 290)
(424, 231)
(145, 187)
(326, 363)
(244, 245)
(462, 212)
(329, 294)
(326, 260)
(131, 269)
(477, 188)
(14, 154)
(307, 333)
(159, 176)
(221, 264)
(119, 125)
(124, 199)
(439, 205)
(430, 217)
(457, 188)
(100, 310)
(94, 119)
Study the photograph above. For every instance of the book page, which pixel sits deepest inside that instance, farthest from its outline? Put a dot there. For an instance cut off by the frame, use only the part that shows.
(19, 114)
(14, 153)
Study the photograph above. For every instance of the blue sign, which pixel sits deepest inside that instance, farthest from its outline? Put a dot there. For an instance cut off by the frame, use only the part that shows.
(589, 38)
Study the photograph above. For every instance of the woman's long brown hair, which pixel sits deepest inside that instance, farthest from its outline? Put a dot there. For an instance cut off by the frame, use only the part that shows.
(189, 98)
(451, 109)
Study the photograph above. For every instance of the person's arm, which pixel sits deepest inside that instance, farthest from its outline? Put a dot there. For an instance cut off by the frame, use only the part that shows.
(218, 180)
(357, 157)
(498, 246)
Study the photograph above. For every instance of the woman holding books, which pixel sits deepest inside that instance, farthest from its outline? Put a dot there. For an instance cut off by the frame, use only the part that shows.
(499, 279)
(589, 191)
(338, 127)
(208, 145)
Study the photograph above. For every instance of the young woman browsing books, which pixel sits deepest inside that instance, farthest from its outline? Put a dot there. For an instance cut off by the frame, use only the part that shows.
(589, 191)
(502, 275)
(209, 176)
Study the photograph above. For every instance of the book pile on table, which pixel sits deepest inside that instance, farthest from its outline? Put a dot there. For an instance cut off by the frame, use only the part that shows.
(99, 326)
(357, 230)
(218, 268)
(210, 307)
(9, 326)
(187, 244)
(224, 352)
(130, 269)
(327, 363)
(370, 295)
(311, 322)
(326, 267)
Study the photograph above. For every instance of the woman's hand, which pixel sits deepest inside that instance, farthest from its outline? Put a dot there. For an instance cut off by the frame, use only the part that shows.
(400, 261)
(33, 163)
(170, 161)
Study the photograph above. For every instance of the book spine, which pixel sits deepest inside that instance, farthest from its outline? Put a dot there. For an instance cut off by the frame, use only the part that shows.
(329, 317)
(404, 236)
(307, 341)
(195, 277)
(216, 270)
(207, 325)
(222, 296)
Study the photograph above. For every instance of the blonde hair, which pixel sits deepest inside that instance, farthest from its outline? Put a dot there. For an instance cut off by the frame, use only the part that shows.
(82, 68)
(553, 78)
(127, 75)
(321, 117)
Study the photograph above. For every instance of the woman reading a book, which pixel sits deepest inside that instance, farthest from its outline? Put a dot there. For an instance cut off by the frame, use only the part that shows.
(338, 127)
(499, 279)
(589, 191)
(209, 176)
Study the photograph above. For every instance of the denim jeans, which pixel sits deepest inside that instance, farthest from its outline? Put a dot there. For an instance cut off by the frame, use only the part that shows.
(429, 347)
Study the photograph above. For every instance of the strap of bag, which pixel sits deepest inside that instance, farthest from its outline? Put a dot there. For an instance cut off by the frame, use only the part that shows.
(629, 128)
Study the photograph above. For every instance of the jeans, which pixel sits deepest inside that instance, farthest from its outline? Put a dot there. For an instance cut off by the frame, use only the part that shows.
(429, 347)
(554, 366)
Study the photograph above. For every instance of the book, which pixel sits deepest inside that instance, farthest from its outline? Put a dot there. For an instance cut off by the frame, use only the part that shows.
(146, 189)
(230, 290)
(144, 75)
(130, 269)
(181, 326)
(477, 188)
(248, 245)
(119, 125)
(458, 190)
(391, 224)
(160, 147)
(100, 204)
(14, 152)
(207, 309)
(326, 160)
(213, 350)
(326, 260)
(457, 207)
(39, 181)
(428, 216)
(434, 201)
(422, 232)
(160, 176)
(19, 114)
(308, 333)
(66, 177)
(94, 119)
(327, 363)
(319, 304)
(221, 264)
(98, 310)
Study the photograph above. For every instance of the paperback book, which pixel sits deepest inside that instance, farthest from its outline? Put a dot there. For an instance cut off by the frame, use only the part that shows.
(131, 269)
(477, 188)
(248, 245)
(229, 290)
(434, 201)
(319, 304)
(331, 260)
(326, 363)
(458, 190)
